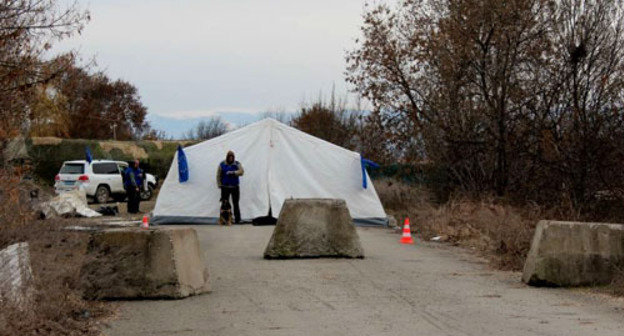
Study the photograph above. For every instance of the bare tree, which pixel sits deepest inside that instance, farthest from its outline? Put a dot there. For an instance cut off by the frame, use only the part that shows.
(581, 119)
(279, 114)
(330, 120)
(207, 129)
(27, 29)
(374, 141)
(511, 96)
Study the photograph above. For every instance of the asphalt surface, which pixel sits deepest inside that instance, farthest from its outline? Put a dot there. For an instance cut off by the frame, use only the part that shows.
(423, 289)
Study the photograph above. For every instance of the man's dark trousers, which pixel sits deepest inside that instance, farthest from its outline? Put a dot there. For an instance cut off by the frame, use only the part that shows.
(133, 200)
(226, 191)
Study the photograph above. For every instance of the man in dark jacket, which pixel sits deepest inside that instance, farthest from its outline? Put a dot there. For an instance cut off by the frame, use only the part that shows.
(131, 184)
(228, 174)
(139, 178)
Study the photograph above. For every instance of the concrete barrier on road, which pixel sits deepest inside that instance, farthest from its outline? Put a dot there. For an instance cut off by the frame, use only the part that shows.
(16, 276)
(574, 254)
(311, 228)
(131, 263)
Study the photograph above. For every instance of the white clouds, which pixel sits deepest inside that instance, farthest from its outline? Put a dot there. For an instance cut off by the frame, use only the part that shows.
(199, 55)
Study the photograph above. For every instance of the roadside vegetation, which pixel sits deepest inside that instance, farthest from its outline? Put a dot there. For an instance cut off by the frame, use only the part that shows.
(55, 306)
(516, 105)
(500, 231)
(492, 227)
(46, 95)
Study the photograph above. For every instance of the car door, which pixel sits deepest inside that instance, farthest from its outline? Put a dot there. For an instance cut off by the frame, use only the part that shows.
(108, 173)
(113, 177)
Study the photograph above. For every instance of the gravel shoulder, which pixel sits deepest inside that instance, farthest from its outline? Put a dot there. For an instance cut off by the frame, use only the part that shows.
(422, 289)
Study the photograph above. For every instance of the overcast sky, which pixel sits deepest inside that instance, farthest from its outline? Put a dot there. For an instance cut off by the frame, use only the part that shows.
(194, 57)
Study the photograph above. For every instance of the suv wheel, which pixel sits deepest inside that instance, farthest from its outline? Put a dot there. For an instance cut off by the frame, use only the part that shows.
(147, 193)
(102, 194)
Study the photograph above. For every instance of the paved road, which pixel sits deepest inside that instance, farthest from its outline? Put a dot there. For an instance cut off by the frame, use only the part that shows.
(424, 290)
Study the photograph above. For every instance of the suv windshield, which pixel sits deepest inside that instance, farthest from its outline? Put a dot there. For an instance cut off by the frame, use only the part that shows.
(72, 168)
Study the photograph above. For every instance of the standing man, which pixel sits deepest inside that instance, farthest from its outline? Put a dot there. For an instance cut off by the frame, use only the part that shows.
(140, 177)
(132, 188)
(228, 180)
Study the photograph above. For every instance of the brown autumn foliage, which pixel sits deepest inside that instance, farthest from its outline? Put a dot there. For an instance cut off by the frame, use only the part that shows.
(521, 98)
(27, 29)
(330, 121)
(98, 107)
(55, 97)
(346, 126)
(48, 113)
(374, 138)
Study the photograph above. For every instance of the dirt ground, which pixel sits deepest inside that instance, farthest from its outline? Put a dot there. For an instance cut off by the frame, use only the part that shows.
(423, 289)
(145, 207)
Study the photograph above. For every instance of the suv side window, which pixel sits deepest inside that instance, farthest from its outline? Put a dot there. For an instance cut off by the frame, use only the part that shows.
(107, 168)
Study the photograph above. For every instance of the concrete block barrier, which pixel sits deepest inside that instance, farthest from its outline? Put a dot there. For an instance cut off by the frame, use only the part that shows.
(574, 254)
(312, 228)
(131, 263)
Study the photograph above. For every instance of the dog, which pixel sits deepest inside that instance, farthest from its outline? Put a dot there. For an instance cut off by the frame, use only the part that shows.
(225, 217)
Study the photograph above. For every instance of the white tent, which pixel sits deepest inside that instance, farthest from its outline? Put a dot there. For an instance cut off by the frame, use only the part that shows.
(280, 162)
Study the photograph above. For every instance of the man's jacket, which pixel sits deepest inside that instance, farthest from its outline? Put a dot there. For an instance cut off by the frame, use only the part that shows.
(229, 180)
(138, 176)
(130, 178)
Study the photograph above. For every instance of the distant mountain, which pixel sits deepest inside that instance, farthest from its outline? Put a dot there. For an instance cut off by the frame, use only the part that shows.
(176, 128)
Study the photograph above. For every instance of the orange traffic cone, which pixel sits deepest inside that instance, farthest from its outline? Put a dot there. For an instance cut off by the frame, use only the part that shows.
(145, 223)
(407, 234)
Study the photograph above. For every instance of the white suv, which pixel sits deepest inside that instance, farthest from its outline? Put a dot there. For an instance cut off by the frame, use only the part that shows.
(100, 179)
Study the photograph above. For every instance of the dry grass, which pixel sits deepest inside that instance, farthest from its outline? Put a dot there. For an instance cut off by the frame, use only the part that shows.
(128, 148)
(56, 257)
(500, 231)
(616, 287)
